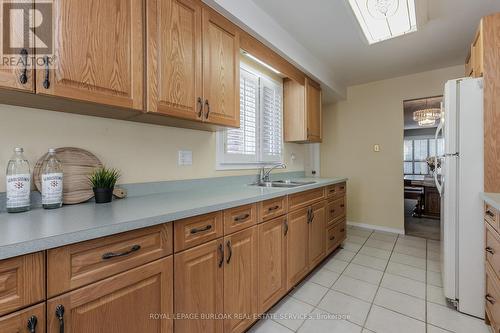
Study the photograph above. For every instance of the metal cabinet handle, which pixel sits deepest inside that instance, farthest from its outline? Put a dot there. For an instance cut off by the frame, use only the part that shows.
(332, 190)
(308, 215)
(200, 107)
(241, 217)
(489, 213)
(23, 78)
(342, 206)
(270, 209)
(111, 255)
(286, 227)
(312, 215)
(342, 230)
(490, 299)
(207, 105)
(230, 249)
(221, 255)
(60, 316)
(46, 82)
(490, 250)
(32, 321)
(332, 211)
(197, 230)
(332, 238)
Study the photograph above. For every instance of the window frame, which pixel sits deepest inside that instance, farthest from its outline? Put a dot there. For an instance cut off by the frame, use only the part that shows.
(413, 160)
(237, 162)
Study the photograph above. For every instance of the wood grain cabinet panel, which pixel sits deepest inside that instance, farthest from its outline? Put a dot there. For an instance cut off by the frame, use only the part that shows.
(25, 321)
(317, 227)
(174, 58)
(221, 66)
(305, 199)
(76, 265)
(492, 299)
(197, 230)
(272, 262)
(313, 107)
(15, 74)
(99, 52)
(297, 246)
(199, 283)
(335, 211)
(139, 300)
(240, 280)
(272, 208)
(239, 218)
(22, 281)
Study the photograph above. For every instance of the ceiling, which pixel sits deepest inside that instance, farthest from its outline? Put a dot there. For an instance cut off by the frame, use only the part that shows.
(329, 30)
(416, 105)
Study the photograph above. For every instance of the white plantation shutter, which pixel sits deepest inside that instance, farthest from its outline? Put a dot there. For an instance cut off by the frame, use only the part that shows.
(271, 124)
(242, 142)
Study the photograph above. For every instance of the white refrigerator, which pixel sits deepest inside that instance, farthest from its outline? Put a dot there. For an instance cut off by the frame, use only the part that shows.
(460, 185)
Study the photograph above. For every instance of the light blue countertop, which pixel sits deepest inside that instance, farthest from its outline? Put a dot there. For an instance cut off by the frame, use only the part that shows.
(492, 199)
(40, 229)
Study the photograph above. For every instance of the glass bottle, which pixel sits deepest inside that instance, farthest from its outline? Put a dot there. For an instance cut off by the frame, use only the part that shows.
(18, 183)
(52, 181)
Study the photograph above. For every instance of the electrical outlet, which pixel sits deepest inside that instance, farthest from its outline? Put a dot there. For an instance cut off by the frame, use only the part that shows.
(376, 148)
(185, 157)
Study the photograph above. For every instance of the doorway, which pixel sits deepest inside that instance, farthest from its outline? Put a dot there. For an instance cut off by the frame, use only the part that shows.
(422, 202)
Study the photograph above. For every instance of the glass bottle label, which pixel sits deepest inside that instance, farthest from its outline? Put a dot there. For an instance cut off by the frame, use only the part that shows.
(52, 188)
(18, 190)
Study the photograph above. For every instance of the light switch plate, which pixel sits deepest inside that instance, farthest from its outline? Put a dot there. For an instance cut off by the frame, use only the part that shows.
(376, 148)
(185, 157)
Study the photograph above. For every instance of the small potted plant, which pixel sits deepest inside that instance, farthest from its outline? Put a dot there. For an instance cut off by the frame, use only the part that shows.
(103, 182)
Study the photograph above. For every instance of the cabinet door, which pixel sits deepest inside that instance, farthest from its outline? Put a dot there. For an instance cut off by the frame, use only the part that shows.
(14, 74)
(297, 246)
(313, 107)
(240, 280)
(272, 262)
(98, 49)
(174, 58)
(221, 70)
(26, 321)
(139, 300)
(199, 280)
(317, 231)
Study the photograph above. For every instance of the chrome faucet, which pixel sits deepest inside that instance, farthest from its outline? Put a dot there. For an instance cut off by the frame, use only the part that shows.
(264, 176)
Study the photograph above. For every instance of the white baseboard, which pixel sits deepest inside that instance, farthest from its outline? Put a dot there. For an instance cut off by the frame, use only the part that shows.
(377, 227)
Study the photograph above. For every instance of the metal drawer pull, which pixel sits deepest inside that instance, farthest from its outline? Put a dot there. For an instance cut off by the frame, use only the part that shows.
(332, 190)
(200, 107)
(32, 321)
(286, 227)
(229, 248)
(342, 206)
(490, 250)
(111, 255)
(342, 230)
(490, 299)
(46, 82)
(332, 238)
(60, 316)
(270, 209)
(221, 255)
(23, 78)
(332, 211)
(197, 230)
(241, 217)
(489, 213)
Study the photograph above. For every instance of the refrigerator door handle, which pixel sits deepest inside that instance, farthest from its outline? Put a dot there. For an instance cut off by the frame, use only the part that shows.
(439, 185)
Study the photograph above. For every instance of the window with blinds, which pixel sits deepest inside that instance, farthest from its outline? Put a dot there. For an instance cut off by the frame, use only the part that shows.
(259, 139)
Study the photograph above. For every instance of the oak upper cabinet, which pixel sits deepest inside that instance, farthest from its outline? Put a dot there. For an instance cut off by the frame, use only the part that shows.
(240, 280)
(16, 74)
(221, 66)
(474, 66)
(99, 53)
(174, 59)
(302, 111)
(199, 283)
(123, 303)
(272, 262)
(297, 246)
(193, 63)
(317, 240)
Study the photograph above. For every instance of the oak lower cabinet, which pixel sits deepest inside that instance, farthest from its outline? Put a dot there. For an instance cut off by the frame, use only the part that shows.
(297, 246)
(272, 262)
(99, 52)
(139, 300)
(30, 320)
(317, 227)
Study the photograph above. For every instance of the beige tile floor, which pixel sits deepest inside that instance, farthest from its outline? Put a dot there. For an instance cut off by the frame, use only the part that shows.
(379, 282)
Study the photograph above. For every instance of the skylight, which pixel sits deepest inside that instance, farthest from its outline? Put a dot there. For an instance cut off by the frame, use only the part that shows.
(385, 19)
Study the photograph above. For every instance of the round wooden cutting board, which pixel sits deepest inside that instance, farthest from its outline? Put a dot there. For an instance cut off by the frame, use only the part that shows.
(78, 164)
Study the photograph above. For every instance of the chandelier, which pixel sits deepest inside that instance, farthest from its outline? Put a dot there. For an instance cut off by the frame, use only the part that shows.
(427, 117)
(382, 9)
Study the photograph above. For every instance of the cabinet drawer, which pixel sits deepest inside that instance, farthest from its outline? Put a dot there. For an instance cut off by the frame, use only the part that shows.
(335, 211)
(336, 190)
(341, 231)
(304, 199)
(28, 320)
(76, 265)
(492, 297)
(491, 216)
(272, 208)
(239, 218)
(22, 282)
(492, 249)
(331, 239)
(197, 230)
